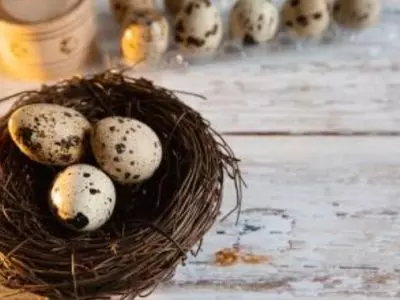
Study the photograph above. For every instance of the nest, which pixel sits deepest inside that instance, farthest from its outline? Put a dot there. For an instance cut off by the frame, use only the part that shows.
(155, 225)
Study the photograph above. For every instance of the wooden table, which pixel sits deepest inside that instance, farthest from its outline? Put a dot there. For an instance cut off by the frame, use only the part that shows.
(318, 135)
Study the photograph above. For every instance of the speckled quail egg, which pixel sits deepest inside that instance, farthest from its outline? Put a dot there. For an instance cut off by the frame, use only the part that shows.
(82, 197)
(122, 8)
(357, 14)
(198, 27)
(145, 37)
(126, 149)
(254, 21)
(49, 134)
(174, 6)
(306, 18)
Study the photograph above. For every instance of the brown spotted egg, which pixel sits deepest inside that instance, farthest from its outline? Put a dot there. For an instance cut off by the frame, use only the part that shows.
(254, 21)
(122, 8)
(357, 14)
(306, 18)
(145, 37)
(82, 197)
(49, 134)
(198, 27)
(128, 150)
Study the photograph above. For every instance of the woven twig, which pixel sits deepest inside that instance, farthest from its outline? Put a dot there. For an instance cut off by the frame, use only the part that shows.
(155, 224)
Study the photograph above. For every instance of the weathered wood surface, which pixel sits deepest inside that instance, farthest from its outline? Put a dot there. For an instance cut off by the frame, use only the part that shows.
(323, 210)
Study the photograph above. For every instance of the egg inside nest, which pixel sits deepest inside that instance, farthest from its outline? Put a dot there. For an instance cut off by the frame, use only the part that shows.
(134, 199)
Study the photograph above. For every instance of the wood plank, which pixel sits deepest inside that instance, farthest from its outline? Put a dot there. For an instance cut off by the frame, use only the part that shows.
(200, 294)
(324, 210)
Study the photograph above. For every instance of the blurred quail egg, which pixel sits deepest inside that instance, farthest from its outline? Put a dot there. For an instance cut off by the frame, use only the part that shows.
(126, 149)
(49, 134)
(198, 27)
(254, 21)
(306, 18)
(82, 197)
(122, 8)
(145, 37)
(357, 14)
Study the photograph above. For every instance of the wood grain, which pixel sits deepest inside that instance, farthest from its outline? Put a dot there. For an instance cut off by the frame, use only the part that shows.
(326, 212)
(323, 208)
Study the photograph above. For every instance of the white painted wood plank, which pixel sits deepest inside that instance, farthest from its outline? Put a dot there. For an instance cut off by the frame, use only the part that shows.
(325, 210)
(237, 294)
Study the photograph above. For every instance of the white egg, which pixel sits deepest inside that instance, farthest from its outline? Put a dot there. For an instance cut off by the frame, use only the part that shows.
(198, 27)
(254, 21)
(49, 134)
(83, 197)
(128, 150)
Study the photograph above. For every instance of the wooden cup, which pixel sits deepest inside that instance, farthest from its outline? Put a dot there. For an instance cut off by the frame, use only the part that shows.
(30, 52)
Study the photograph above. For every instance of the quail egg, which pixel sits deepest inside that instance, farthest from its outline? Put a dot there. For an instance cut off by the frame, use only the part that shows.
(357, 14)
(306, 18)
(82, 197)
(254, 21)
(145, 37)
(128, 150)
(49, 134)
(198, 27)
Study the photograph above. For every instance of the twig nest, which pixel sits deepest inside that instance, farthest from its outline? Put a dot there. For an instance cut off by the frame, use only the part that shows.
(357, 14)
(49, 133)
(174, 6)
(127, 149)
(254, 21)
(120, 230)
(306, 18)
(121, 9)
(198, 27)
(145, 37)
(82, 197)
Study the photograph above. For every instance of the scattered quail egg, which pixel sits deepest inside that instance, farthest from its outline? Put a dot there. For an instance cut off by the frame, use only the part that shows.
(306, 18)
(254, 21)
(49, 134)
(357, 14)
(121, 8)
(82, 197)
(145, 37)
(198, 27)
(126, 149)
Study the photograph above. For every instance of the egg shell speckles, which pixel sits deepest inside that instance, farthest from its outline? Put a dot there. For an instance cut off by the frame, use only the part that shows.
(145, 37)
(357, 14)
(128, 150)
(49, 134)
(198, 27)
(306, 18)
(82, 197)
(254, 21)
